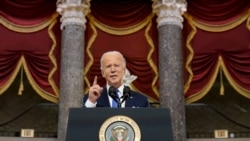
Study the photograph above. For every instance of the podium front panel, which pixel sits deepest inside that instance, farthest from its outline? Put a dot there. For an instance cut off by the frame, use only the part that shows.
(87, 123)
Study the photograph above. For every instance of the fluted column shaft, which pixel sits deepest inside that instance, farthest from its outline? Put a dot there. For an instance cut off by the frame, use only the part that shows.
(169, 23)
(72, 55)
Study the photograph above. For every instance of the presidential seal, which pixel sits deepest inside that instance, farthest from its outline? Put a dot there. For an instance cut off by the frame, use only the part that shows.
(119, 128)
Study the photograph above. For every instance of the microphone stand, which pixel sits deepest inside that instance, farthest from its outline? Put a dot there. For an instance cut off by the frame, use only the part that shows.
(119, 104)
(126, 94)
(118, 101)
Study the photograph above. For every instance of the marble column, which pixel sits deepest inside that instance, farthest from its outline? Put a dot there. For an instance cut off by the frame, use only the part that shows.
(73, 22)
(169, 22)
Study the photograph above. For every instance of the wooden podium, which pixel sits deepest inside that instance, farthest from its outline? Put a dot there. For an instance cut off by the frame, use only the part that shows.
(119, 124)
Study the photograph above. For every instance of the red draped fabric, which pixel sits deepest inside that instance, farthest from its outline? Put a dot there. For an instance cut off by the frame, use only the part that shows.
(129, 27)
(29, 44)
(32, 35)
(217, 40)
(216, 12)
(26, 12)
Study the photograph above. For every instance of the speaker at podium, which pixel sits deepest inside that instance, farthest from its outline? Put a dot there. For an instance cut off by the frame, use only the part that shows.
(119, 124)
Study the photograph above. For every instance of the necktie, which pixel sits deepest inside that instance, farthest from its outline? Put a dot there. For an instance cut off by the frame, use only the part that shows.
(114, 103)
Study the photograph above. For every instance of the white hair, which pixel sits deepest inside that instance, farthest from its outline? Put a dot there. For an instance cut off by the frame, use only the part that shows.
(112, 52)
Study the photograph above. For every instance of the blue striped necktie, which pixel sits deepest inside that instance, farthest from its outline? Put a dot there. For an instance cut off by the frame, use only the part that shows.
(114, 103)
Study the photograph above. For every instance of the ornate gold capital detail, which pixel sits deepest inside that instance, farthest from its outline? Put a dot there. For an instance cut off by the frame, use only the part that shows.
(169, 11)
(73, 13)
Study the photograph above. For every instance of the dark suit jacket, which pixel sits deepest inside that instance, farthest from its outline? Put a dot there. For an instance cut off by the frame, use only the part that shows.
(135, 100)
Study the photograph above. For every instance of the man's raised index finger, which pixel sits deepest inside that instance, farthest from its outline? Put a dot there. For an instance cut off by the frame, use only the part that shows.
(95, 81)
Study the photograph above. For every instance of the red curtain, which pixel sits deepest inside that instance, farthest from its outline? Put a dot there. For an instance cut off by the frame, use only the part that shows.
(25, 12)
(29, 44)
(129, 27)
(32, 44)
(216, 12)
(217, 40)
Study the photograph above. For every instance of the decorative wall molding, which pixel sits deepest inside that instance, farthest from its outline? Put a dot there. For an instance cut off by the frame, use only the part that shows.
(169, 11)
(73, 13)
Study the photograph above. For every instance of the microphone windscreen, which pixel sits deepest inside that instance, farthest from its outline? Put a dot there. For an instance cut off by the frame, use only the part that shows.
(112, 91)
(126, 91)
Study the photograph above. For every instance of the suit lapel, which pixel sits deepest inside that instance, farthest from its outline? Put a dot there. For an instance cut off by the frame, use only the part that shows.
(103, 101)
(130, 101)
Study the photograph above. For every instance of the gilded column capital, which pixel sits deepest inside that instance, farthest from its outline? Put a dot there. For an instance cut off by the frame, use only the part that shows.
(169, 11)
(73, 13)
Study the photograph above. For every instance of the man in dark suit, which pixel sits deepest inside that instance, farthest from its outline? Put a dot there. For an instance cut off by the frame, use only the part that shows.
(113, 67)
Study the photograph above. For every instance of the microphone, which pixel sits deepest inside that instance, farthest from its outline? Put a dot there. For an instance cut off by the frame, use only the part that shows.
(112, 93)
(126, 93)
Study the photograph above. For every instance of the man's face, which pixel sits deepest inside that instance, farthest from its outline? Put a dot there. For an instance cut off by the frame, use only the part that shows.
(113, 69)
